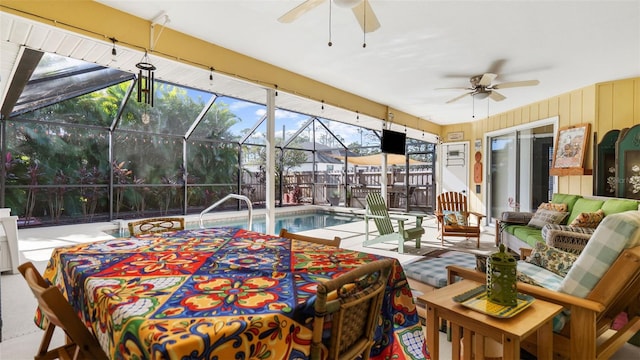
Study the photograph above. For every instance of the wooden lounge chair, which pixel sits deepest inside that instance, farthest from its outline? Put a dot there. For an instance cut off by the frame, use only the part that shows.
(453, 217)
(588, 334)
(377, 210)
(155, 225)
(81, 343)
(286, 234)
(354, 309)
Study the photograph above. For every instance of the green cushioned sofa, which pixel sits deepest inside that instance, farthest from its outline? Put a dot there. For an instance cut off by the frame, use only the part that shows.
(516, 234)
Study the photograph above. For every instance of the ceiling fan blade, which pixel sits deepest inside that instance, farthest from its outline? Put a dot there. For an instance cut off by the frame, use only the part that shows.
(516, 84)
(496, 66)
(496, 96)
(487, 78)
(366, 17)
(299, 10)
(454, 88)
(459, 97)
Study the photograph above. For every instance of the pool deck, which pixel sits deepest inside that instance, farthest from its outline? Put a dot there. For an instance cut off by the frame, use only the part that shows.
(36, 244)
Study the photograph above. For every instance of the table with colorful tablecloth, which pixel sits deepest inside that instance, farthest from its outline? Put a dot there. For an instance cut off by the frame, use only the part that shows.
(218, 293)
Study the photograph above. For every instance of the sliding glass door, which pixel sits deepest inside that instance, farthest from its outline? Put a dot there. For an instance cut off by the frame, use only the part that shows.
(518, 171)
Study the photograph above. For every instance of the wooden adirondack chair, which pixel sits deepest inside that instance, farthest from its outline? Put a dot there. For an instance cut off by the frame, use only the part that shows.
(377, 210)
(454, 204)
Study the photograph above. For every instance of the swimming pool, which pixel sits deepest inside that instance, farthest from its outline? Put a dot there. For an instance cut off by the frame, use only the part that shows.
(294, 222)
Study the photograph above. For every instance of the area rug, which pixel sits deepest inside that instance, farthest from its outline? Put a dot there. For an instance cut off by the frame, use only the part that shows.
(433, 245)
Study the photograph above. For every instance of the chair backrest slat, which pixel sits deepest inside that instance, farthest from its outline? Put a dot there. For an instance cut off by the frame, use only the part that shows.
(155, 225)
(354, 310)
(452, 201)
(377, 206)
(289, 235)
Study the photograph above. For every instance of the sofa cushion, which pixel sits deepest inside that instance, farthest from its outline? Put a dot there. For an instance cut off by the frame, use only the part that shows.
(540, 276)
(588, 219)
(543, 217)
(433, 271)
(525, 233)
(614, 206)
(557, 261)
(614, 234)
(583, 205)
(568, 199)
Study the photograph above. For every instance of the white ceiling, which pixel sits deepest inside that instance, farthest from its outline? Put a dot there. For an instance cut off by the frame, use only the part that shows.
(425, 45)
(421, 46)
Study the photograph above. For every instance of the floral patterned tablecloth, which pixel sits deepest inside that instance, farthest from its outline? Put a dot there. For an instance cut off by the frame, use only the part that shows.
(218, 293)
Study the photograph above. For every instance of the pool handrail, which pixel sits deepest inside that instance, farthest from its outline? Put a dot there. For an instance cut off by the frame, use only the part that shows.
(229, 196)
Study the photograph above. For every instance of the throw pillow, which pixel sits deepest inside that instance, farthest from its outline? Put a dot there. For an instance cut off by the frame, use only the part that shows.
(524, 278)
(543, 217)
(555, 260)
(553, 206)
(453, 218)
(588, 219)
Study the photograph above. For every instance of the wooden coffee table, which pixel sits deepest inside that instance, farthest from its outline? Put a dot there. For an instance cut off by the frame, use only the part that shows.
(538, 317)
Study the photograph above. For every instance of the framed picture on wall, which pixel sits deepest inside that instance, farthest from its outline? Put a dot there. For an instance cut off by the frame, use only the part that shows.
(570, 149)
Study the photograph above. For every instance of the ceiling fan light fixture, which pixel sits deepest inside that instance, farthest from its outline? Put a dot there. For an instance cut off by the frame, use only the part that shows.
(481, 95)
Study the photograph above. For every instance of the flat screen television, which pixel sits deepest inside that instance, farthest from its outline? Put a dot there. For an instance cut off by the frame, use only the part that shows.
(393, 142)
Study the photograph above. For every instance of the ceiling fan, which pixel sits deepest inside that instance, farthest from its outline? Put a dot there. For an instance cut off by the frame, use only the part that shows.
(482, 87)
(361, 10)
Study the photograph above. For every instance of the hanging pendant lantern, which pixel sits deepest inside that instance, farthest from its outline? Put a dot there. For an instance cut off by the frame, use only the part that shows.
(145, 80)
(501, 278)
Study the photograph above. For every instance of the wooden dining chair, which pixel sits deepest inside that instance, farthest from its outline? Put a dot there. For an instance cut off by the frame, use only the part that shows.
(155, 225)
(354, 301)
(81, 343)
(289, 235)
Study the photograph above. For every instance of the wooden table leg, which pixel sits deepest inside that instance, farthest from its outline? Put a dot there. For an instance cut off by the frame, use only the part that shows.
(545, 341)
(510, 347)
(456, 335)
(479, 346)
(432, 332)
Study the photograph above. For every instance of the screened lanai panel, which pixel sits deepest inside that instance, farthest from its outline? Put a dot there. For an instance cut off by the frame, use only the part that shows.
(148, 174)
(57, 78)
(175, 109)
(56, 171)
(228, 119)
(98, 108)
(212, 168)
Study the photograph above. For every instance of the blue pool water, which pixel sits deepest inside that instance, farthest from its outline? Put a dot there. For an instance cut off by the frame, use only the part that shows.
(292, 222)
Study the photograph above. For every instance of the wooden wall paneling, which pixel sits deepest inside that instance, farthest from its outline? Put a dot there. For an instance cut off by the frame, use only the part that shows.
(622, 103)
(503, 120)
(534, 112)
(554, 106)
(543, 110)
(605, 106)
(517, 117)
(575, 107)
(510, 119)
(564, 110)
(526, 115)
